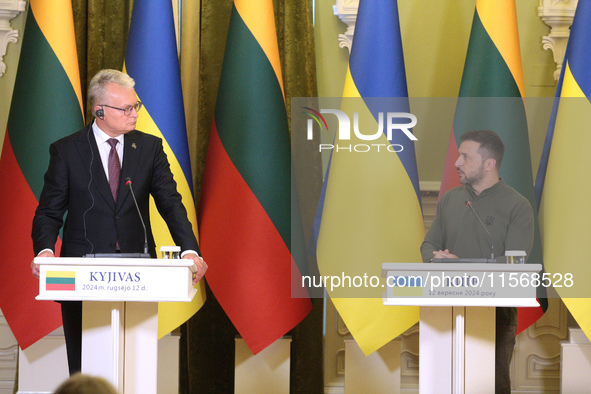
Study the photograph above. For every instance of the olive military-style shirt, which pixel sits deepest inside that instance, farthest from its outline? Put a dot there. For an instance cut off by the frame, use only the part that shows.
(507, 215)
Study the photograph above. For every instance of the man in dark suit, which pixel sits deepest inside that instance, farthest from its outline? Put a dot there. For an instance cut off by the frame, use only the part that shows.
(87, 176)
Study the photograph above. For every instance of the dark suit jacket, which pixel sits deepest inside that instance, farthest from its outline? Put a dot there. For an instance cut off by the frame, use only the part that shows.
(76, 185)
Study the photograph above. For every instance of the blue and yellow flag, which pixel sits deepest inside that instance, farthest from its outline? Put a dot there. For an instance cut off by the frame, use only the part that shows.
(562, 183)
(152, 61)
(371, 212)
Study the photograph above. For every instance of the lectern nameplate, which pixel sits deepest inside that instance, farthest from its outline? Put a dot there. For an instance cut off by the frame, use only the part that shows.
(110, 279)
(456, 284)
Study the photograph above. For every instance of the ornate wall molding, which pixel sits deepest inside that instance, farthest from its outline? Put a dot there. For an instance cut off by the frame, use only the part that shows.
(346, 10)
(558, 14)
(9, 9)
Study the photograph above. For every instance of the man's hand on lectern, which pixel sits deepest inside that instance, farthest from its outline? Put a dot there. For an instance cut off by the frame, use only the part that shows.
(199, 264)
(35, 267)
(444, 254)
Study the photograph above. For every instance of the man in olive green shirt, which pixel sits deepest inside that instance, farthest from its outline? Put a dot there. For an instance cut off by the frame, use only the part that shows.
(507, 216)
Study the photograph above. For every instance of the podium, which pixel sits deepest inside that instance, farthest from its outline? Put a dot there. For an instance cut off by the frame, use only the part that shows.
(457, 317)
(119, 310)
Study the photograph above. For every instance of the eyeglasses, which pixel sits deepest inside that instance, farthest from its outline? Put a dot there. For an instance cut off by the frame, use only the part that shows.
(127, 110)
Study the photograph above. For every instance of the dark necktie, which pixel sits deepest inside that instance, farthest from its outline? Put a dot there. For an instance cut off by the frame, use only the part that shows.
(114, 168)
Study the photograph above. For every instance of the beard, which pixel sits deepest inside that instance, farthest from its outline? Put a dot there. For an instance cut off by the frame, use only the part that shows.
(473, 179)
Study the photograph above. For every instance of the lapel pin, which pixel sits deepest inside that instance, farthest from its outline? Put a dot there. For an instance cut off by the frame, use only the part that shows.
(134, 146)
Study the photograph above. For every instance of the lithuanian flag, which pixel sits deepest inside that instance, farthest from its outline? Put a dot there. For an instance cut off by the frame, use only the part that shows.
(60, 280)
(152, 61)
(492, 97)
(46, 105)
(245, 202)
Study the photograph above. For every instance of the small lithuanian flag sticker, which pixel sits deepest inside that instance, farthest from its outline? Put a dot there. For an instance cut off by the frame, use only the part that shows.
(60, 280)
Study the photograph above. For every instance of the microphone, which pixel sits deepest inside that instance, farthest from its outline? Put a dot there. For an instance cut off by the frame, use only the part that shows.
(128, 183)
(492, 247)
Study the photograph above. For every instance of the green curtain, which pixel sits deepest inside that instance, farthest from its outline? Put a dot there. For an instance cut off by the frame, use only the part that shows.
(101, 28)
(295, 31)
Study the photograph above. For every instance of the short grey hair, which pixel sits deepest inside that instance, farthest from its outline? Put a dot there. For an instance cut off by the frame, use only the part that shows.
(98, 84)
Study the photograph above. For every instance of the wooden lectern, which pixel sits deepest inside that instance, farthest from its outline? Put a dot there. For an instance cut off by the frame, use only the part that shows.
(119, 311)
(457, 317)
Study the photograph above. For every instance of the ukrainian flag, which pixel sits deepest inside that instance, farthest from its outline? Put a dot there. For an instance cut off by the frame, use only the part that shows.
(371, 212)
(152, 61)
(563, 177)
